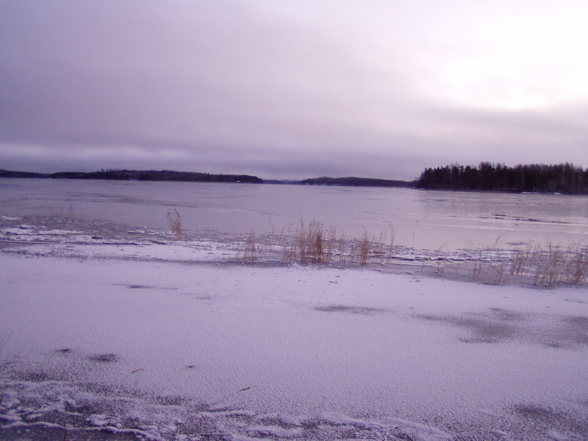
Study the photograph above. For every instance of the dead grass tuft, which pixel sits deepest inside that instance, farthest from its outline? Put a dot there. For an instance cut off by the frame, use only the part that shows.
(250, 251)
(314, 243)
(174, 221)
(555, 266)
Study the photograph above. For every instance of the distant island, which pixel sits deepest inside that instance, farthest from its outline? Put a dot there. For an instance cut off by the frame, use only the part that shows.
(534, 178)
(358, 182)
(349, 182)
(168, 175)
(137, 175)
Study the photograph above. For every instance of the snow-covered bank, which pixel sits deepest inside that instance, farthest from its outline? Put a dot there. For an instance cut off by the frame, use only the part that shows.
(156, 348)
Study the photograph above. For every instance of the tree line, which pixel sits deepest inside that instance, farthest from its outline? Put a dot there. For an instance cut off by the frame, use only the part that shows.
(558, 178)
(136, 175)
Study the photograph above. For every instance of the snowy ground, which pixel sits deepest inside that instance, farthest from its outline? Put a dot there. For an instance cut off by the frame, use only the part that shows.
(132, 336)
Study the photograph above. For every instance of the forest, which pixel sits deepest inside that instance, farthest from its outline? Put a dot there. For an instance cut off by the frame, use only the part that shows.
(558, 178)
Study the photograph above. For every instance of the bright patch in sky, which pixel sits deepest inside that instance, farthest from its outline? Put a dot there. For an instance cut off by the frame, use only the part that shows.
(526, 59)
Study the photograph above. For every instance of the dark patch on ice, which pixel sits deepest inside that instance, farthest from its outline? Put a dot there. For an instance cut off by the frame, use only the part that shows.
(64, 351)
(363, 310)
(203, 296)
(505, 315)
(104, 358)
(534, 412)
(312, 423)
(136, 286)
(170, 400)
(403, 436)
(571, 333)
(579, 322)
(553, 344)
(484, 331)
(547, 418)
(500, 325)
(87, 407)
(491, 327)
(574, 331)
(32, 376)
(191, 366)
(428, 317)
(276, 421)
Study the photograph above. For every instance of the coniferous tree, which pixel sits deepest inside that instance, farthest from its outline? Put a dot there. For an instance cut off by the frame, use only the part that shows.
(558, 178)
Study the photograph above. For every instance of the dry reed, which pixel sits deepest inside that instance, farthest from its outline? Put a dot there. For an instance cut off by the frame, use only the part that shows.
(174, 221)
(250, 251)
(314, 243)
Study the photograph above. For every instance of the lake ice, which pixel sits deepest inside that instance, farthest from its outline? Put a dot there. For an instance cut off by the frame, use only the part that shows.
(419, 219)
(111, 330)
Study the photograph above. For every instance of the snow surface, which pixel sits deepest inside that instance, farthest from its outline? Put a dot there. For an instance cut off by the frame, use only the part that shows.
(149, 340)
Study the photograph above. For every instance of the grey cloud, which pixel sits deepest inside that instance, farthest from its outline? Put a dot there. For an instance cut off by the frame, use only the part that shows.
(228, 86)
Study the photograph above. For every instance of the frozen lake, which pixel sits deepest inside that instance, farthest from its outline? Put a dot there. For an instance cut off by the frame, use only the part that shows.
(418, 219)
(112, 329)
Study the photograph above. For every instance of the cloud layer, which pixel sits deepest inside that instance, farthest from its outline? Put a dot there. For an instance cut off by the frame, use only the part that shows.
(290, 89)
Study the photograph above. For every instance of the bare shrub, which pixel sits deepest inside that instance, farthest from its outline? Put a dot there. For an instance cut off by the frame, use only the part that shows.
(314, 243)
(339, 245)
(371, 249)
(576, 269)
(391, 243)
(250, 250)
(548, 266)
(174, 221)
(477, 267)
(489, 267)
(489, 271)
(440, 267)
(553, 265)
(362, 249)
(380, 248)
(496, 272)
(310, 243)
(520, 261)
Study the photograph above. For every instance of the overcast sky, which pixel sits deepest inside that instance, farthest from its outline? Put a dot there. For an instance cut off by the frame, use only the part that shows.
(292, 88)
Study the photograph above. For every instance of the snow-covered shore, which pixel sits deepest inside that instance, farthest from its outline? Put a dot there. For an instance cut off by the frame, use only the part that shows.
(150, 339)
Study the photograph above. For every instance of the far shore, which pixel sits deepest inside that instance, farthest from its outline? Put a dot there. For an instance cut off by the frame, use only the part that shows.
(540, 179)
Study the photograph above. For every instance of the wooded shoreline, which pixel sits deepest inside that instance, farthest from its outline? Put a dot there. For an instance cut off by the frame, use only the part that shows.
(486, 177)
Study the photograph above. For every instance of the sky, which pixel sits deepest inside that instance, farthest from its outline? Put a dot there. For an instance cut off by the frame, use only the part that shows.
(292, 88)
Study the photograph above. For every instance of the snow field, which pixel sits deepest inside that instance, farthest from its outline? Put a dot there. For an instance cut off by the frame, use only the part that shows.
(286, 352)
